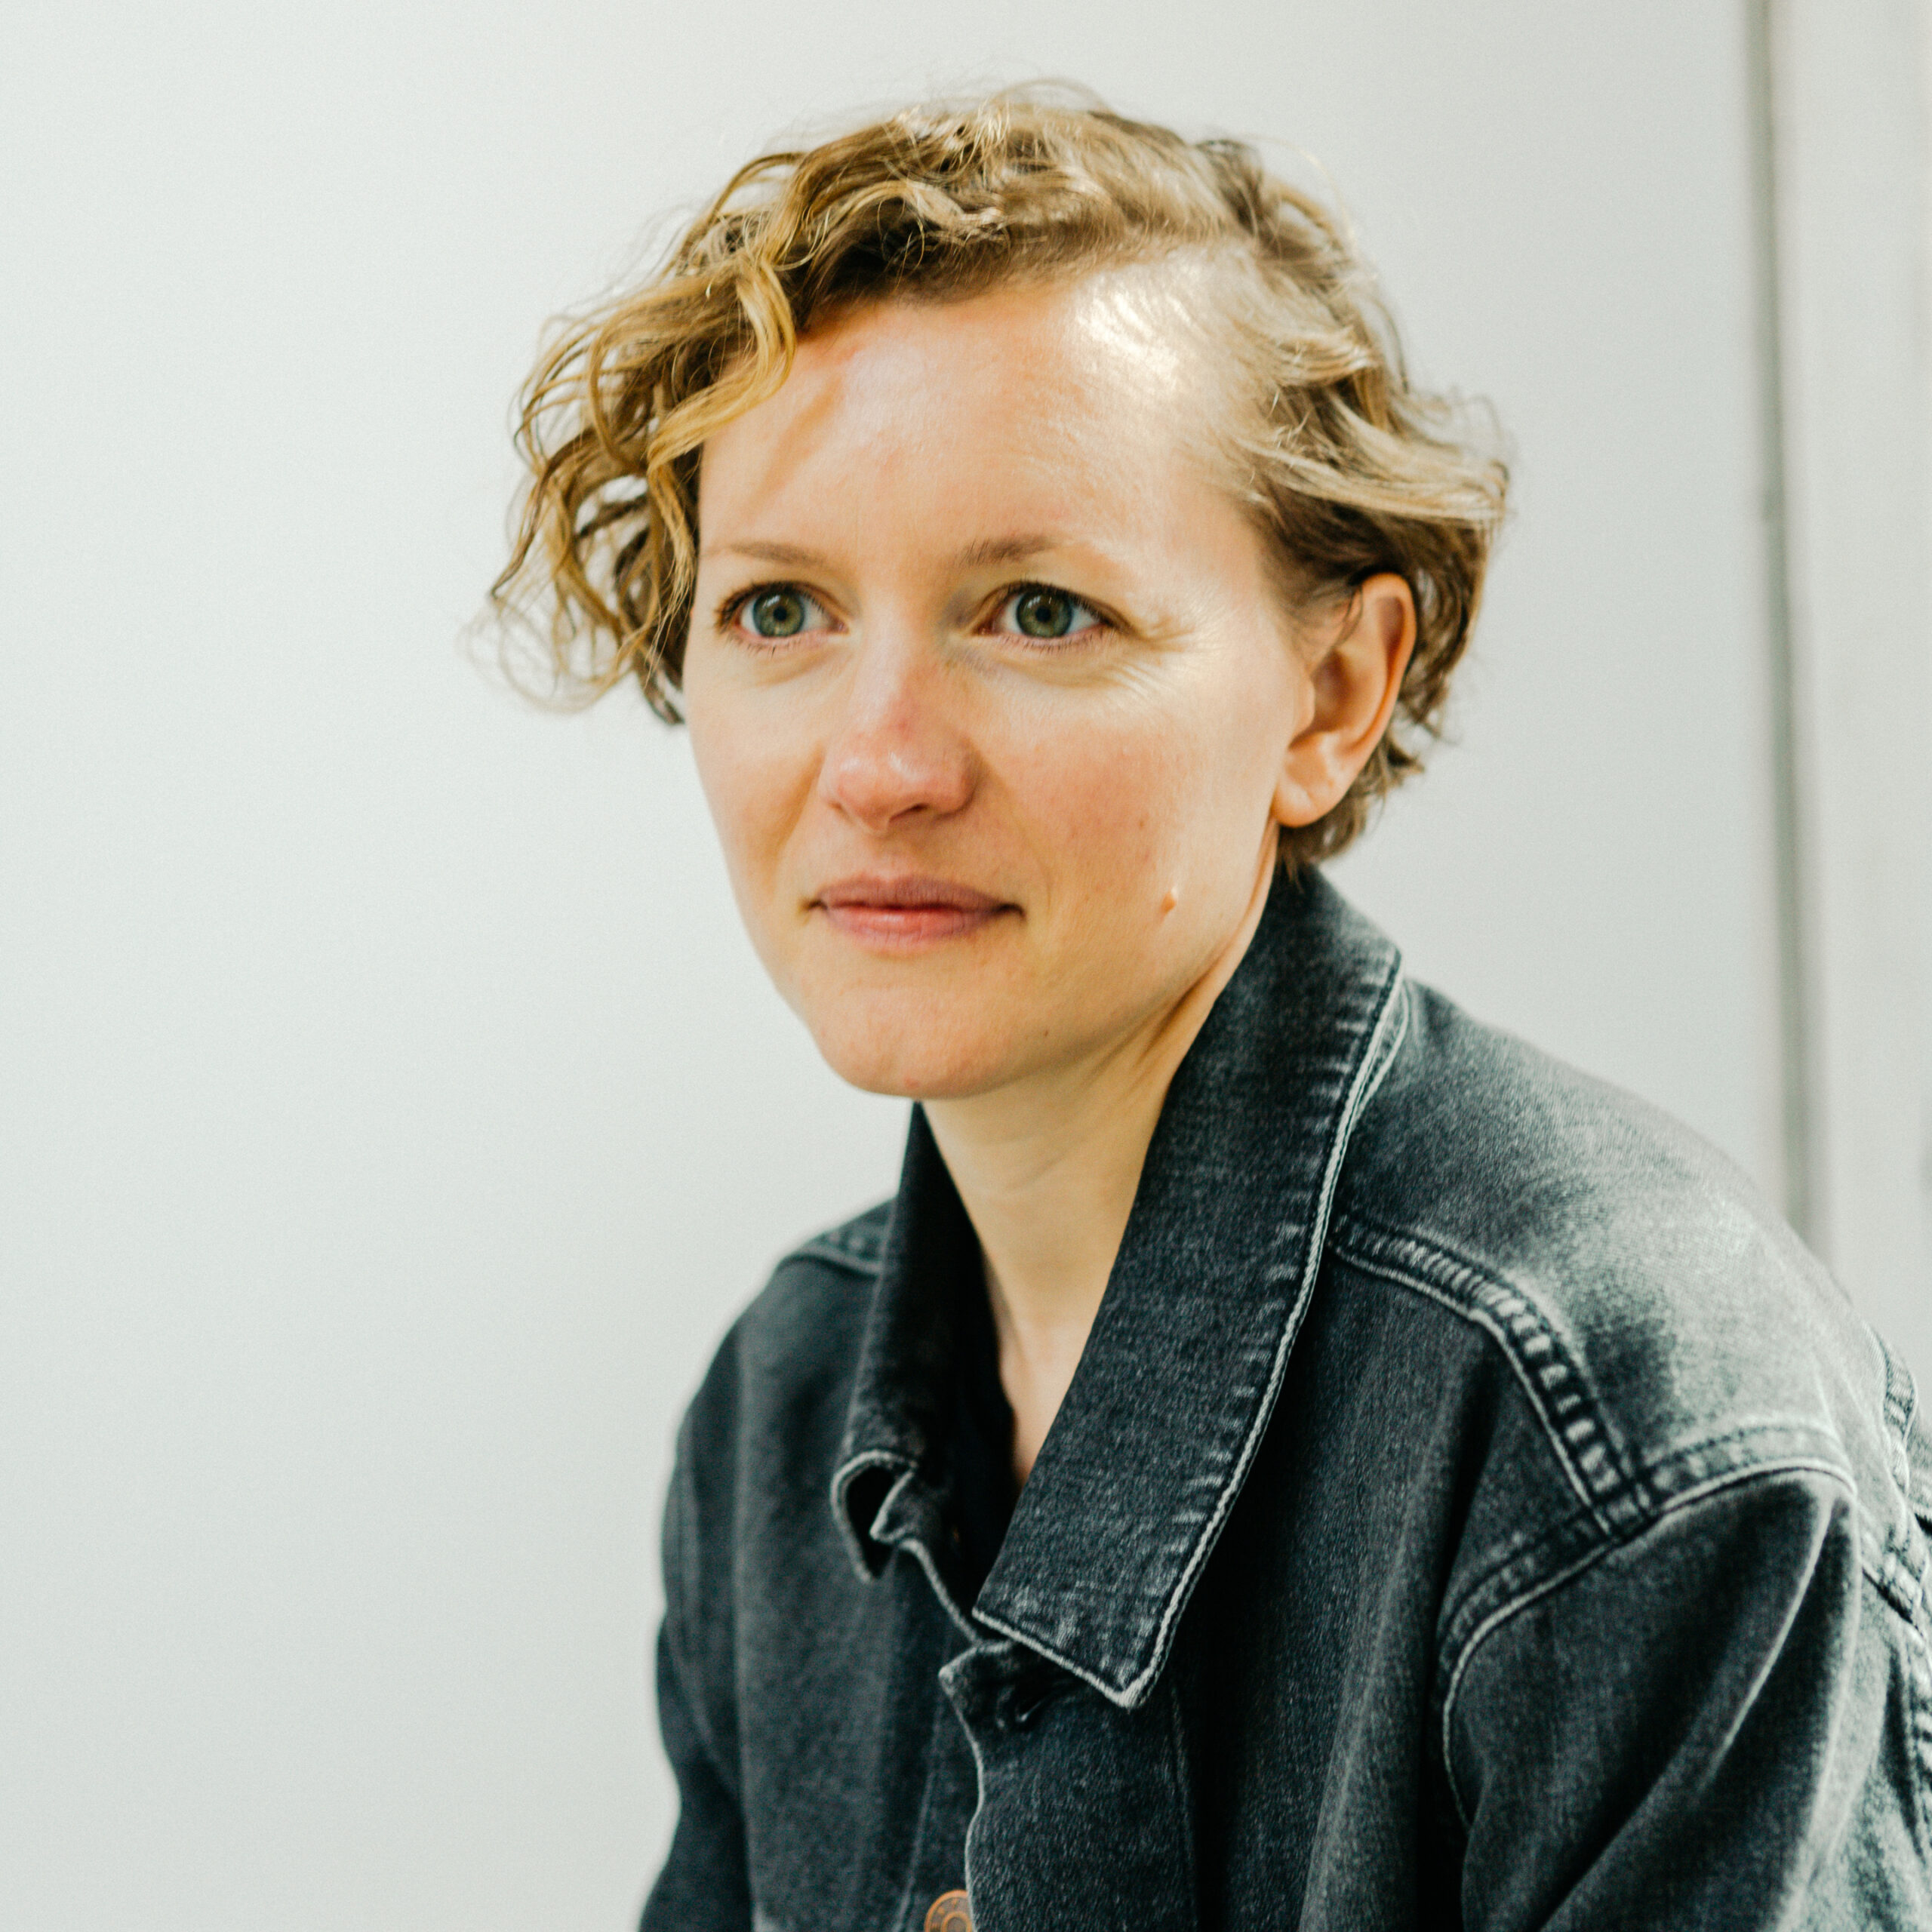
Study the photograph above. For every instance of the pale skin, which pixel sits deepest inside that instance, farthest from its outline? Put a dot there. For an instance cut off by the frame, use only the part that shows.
(999, 712)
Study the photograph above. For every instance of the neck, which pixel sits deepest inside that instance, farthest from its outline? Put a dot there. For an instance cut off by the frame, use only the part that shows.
(1047, 1168)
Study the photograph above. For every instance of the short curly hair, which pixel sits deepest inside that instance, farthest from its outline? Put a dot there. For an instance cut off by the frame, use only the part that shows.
(1347, 470)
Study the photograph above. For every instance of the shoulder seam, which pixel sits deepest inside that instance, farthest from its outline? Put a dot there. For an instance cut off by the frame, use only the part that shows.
(1518, 1600)
(1623, 1492)
(857, 1245)
(1559, 1392)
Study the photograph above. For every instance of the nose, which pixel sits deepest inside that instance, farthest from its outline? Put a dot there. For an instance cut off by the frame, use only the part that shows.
(897, 751)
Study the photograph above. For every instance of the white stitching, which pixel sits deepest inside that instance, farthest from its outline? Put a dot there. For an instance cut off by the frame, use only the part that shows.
(1391, 1025)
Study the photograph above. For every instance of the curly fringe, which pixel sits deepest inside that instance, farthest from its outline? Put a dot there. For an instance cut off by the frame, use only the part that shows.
(1348, 470)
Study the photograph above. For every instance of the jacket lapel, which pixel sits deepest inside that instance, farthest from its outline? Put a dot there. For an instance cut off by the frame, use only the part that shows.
(1179, 1375)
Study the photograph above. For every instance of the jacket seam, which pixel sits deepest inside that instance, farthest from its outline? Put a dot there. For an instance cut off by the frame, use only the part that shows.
(1622, 1491)
(1903, 1543)
(1908, 1555)
(852, 1246)
(1622, 1496)
(1385, 1035)
(1559, 1393)
(1918, 1673)
(1548, 1585)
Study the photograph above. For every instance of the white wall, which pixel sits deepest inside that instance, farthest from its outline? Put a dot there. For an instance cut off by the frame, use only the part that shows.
(1850, 112)
(391, 1115)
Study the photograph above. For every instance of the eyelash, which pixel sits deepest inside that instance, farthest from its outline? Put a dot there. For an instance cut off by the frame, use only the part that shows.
(732, 609)
(1010, 596)
(729, 612)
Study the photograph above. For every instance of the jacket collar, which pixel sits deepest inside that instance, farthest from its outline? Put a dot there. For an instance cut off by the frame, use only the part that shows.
(1180, 1373)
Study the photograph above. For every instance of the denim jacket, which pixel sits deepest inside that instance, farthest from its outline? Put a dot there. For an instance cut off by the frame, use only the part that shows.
(1472, 1508)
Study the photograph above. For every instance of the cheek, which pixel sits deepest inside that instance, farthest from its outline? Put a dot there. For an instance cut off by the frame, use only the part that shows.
(1121, 802)
(1177, 797)
(751, 775)
(1119, 817)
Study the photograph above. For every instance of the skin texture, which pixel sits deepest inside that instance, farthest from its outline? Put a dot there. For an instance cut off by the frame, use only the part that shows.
(1002, 874)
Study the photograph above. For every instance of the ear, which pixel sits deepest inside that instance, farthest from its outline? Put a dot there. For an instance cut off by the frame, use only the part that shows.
(1354, 673)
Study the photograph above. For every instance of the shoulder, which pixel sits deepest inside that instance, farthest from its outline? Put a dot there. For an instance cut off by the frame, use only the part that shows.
(1683, 1513)
(1671, 1334)
(753, 1447)
(810, 1311)
(777, 1388)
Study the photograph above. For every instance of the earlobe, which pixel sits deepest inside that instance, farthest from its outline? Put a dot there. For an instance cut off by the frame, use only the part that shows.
(1353, 680)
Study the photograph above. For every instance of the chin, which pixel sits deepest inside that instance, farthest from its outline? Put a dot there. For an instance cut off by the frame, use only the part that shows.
(907, 1061)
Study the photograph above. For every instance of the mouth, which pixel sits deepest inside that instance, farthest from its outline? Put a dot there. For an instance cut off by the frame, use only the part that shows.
(899, 915)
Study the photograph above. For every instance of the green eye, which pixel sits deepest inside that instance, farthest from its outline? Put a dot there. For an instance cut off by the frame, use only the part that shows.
(1041, 611)
(780, 613)
(1044, 613)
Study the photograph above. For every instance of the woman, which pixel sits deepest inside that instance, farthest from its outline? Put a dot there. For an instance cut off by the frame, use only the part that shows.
(1287, 1455)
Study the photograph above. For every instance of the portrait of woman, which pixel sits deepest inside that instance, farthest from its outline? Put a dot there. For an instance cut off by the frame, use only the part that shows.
(966, 967)
(1288, 1454)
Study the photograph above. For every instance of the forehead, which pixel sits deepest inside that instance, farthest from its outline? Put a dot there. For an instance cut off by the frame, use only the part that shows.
(1097, 386)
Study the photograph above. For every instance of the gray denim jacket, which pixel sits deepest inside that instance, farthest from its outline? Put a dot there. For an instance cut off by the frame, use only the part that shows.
(1472, 1508)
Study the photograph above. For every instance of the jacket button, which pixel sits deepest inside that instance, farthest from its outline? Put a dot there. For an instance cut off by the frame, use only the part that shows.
(950, 1913)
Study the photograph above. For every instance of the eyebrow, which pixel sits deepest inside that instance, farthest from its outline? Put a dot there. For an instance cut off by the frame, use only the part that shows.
(792, 554)
(975, 556)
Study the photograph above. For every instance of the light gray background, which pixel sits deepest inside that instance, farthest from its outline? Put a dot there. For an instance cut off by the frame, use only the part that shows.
(392, 1113)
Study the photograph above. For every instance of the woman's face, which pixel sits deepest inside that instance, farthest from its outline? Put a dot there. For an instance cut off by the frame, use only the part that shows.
(990, 689)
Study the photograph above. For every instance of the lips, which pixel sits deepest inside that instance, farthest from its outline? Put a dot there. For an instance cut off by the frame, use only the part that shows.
(902, 913)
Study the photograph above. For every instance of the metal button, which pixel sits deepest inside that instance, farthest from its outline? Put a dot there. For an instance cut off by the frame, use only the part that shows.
(950, 1913)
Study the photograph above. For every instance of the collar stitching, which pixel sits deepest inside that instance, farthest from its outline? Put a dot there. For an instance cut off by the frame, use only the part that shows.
(843, 1477)
(1389, 1026)
(1390, 1019)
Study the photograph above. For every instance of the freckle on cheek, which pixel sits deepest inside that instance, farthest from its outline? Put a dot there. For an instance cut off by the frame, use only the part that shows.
(1171, 900)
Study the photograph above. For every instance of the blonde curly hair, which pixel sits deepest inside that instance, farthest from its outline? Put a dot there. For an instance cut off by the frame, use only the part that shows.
(1348, 470)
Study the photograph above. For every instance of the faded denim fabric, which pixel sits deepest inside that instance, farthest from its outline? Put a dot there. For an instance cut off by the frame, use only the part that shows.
(1472, 1508)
